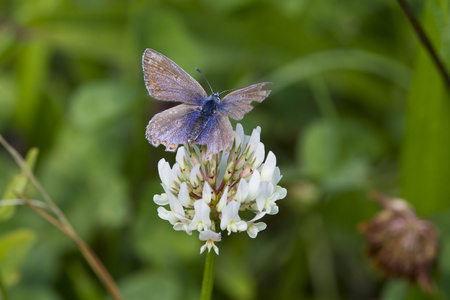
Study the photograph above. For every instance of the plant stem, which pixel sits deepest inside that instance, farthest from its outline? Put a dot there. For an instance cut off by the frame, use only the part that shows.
(425, 41)
(63, 224)
(208, 276)
(95, 263)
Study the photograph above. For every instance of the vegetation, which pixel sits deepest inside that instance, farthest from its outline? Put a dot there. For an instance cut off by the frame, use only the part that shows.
(357, 105)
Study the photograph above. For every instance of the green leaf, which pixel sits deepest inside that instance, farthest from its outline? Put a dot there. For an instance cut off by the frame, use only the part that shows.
(35, 293)
(97, 104)
(340, 59)
(17, 185)
(425, 164)
(320, 148)
(32, 73)
(240, 285)
(338, 155)
(143, 286)
(8, 100)
(394, 290)
(13, 249)
(84, 282)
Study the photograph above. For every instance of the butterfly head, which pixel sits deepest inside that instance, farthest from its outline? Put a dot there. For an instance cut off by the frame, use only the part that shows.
(210, 105)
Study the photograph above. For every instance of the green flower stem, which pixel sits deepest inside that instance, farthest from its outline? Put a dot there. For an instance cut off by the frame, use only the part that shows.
(208, 276)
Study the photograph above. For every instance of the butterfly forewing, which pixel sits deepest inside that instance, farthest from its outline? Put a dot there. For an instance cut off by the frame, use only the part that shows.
(236, 104)
(165, 80)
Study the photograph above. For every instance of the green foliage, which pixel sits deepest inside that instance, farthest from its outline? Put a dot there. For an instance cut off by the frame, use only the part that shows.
(425, 159)
(14, 246)
(17, 186)
(357, 105)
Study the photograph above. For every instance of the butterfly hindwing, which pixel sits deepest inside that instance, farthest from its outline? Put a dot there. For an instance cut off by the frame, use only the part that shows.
(165, 80)
(236, 104)
(217, 134)
(173, 126)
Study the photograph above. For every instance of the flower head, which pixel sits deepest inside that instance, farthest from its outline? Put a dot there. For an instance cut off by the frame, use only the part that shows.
(208, 194)
(402, 244)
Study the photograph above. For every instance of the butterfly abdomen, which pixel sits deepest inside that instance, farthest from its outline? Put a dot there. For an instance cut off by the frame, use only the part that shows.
(207, 111)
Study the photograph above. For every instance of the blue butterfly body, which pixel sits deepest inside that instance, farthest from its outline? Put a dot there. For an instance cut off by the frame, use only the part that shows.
(209, 108)
(199, 119)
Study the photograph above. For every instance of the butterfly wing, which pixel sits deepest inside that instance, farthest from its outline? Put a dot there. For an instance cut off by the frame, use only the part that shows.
(236, 104)
(165, 80)
(184, 123)
(173, 126)
(217, 134)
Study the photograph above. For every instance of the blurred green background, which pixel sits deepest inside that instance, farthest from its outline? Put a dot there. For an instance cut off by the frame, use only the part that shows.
(356, 106)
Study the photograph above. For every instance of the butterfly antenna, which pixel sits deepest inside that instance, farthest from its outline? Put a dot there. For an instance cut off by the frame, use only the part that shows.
(206, 80)
(228, 90)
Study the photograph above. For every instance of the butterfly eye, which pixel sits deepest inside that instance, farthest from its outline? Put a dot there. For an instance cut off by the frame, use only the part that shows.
(172, 147)
(164, 143)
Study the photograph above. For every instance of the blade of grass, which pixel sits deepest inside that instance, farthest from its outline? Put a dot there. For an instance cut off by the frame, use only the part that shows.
(425, 160)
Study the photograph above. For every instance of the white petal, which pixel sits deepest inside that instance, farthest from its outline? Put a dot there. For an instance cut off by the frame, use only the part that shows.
(265, 192)
(183, 225)
(223, 200)
(181, 157)
(259, 156)
(238, 135)
(216, 249)
(253, 186)
(242, 191)
(260, 202)
(201, 219)
(207, 193)
(231, 220)
(175, 205)
(161, 199)
(183, 196)
(254, 228)
(257, 217)
(176, 173)
(276, 176)
(167, 215)
(210, 238)
(195, 175)
(269, 167)
(230, 213)
(210, 235)
(253, 142)
(165, 172)
(279, 193)
(272, 209)
(241, 226)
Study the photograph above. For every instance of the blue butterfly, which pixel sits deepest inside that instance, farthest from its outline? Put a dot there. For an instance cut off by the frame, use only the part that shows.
(199, 119)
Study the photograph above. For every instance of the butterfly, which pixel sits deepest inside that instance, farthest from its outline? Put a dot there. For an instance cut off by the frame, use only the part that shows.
(199, 119)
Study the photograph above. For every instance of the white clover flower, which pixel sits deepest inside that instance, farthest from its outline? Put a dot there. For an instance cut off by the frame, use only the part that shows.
(201, 219)
(208, 195)
(230, 218)
(210, 237)
(253, 228)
